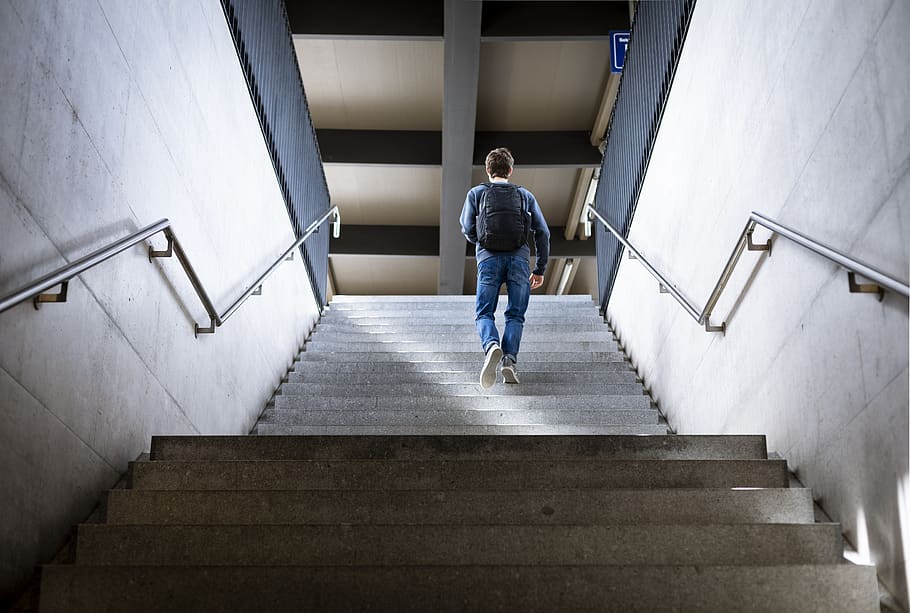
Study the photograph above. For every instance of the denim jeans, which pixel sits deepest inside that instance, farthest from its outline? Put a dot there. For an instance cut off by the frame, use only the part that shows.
(514, 271)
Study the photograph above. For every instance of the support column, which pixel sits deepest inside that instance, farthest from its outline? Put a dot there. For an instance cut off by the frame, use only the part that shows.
(462, 68)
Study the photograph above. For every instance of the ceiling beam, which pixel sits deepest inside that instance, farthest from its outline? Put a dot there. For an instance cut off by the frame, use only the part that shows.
(567, 277)
(553, 20)
(366, 19)
(579, 197)
(553, 275)
(605, 109)
(424, 241)
(501, 21)
(373, 147)
(331, 285)
(542, 149)
(461, 73)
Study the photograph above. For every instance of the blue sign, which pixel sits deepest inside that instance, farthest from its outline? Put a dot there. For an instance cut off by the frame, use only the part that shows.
(619, 43)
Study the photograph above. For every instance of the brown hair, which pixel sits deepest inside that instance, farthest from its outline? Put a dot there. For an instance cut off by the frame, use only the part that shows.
(499, 163)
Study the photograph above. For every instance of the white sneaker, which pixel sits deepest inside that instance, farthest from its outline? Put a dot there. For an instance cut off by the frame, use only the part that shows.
(488, 372)
(509, 371)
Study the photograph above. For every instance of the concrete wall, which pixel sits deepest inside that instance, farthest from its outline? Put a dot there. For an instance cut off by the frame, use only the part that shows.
(799, 110)
(114, 114)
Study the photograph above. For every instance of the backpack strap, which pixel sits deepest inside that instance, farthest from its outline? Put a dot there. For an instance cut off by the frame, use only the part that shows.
(483, 196)
(524, 203)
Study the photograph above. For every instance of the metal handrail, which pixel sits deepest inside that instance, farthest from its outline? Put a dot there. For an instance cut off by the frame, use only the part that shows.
(880, 280)
(288, 254)
(35, 290)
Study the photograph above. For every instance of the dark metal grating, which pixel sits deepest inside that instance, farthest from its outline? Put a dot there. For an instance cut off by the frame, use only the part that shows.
(265, 47)
(658, 33)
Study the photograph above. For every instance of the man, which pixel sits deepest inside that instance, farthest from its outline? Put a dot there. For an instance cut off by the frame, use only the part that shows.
(497, 217)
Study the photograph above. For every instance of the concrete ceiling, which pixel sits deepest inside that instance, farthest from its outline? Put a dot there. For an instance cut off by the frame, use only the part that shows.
(538, 71)
(385, 195)
(372, 84)
(541, 85)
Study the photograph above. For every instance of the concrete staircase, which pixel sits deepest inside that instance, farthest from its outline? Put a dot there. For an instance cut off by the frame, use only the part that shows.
(410, 365)
(416, 490)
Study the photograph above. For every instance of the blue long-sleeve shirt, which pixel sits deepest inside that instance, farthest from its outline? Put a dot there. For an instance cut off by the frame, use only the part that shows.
(538, 228)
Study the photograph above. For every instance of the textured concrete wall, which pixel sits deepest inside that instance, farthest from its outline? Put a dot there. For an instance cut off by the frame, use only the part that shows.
(114, 114)
(799, 110)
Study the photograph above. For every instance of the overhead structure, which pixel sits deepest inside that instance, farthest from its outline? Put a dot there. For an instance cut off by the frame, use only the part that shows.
(408, 98)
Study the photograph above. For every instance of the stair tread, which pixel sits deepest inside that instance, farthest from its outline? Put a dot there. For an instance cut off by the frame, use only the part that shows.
(456, 474)
(763, 589)
(488, 402)
(472, 366)
(547, 506)
(265, 429)
(395, 544)
(411, 447)
(527, 387)
(449, 417)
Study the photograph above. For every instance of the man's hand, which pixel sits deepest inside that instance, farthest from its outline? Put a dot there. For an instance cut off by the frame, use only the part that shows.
(536, 281)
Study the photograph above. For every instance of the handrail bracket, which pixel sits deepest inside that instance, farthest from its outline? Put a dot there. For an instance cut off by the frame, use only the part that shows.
(58, 297)
(167, 252)
(754, 247)
(210, 330)
(864, 288)
(722, 328)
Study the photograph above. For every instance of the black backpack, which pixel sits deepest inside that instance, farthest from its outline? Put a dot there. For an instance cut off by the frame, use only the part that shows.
(503, 224)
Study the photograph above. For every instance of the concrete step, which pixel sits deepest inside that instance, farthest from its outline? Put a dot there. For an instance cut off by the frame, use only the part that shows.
(437, 430)
(420, 335)
(467, 311)
(460, 314)
(512, 507)
(457, 474)
(468, 327)
(459, 545)
(427, 321)
(353, 377)
(433, 317)
(449, 417)
(430, 311)
(527, 387)
(841, 588)
(367, 369)
(542, 298)
(485, 402)
(475, 355)
(432, 344)
(467, 305)
(681, 447)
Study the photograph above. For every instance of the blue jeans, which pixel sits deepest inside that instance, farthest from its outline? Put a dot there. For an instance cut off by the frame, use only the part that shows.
(491, 274)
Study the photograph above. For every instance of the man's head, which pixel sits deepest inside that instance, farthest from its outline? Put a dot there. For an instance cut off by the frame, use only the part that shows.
(499, 163)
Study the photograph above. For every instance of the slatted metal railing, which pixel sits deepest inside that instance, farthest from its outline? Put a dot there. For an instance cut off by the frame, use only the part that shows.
(658, 33)
(262, 37)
